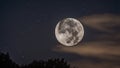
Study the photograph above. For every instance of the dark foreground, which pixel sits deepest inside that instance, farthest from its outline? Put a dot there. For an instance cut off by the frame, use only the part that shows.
(6, 62)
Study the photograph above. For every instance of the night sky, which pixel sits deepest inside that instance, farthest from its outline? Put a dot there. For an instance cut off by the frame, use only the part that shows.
(27, 31)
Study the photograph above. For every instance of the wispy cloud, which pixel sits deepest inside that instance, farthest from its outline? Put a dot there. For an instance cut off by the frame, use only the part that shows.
(94, 64)
(104, 50)
(105, 46)
(101, 21)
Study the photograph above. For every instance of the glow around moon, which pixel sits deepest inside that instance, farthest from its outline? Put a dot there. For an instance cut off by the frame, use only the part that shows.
(69, 31)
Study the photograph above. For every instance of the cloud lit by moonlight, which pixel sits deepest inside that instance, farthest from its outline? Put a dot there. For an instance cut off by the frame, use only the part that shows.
(105, 45)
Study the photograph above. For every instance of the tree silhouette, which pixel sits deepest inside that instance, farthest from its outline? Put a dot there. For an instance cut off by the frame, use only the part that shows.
(6, 62)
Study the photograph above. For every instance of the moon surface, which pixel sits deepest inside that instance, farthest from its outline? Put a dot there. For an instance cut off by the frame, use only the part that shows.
(69, 31)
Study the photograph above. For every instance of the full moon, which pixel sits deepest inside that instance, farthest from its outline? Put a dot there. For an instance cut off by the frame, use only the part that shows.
(69, 31)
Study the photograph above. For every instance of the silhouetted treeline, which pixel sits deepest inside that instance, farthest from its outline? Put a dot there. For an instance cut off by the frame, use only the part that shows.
(6, 62)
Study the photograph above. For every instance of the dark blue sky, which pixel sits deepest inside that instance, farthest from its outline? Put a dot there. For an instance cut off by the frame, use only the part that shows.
(27, 26)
